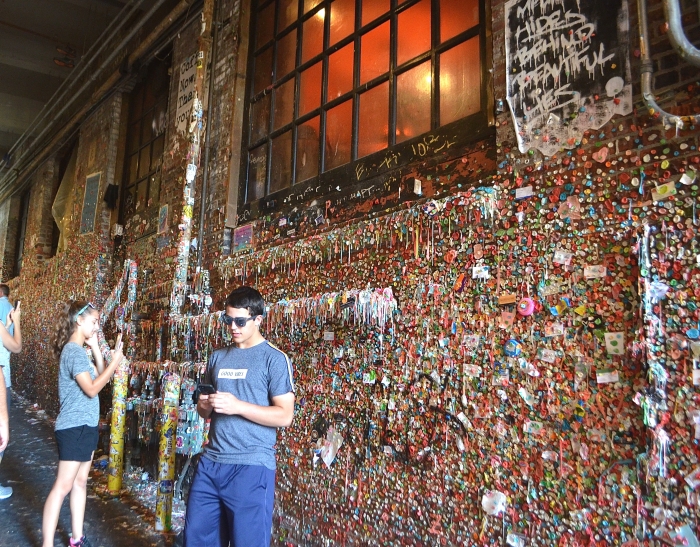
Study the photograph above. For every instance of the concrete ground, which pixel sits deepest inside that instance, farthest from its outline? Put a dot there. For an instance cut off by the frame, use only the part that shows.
(29, 466)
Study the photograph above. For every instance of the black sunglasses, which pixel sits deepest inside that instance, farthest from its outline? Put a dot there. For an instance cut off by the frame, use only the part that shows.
(240, 322)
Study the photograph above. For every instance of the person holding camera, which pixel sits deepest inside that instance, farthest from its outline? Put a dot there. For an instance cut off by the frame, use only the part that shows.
(79, 382)
(249, 393)
(11, 337)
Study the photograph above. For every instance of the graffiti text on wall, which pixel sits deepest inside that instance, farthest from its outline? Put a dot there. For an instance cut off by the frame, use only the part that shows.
(567, 68)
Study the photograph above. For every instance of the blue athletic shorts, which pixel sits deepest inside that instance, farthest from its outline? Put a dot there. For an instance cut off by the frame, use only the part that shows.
(230, 503)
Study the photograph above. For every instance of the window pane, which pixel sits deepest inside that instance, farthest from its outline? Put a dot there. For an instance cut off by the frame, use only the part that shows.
(307, 149)
(310, 4)
(281, 172)
(457, 16)
(260, 119)
(160, 117)
(265, 25)
(284, 104)
(374, 53)
(289, 12)
(146, 135)
(263, 71)
(414, 32)
(154, 189)
(133, 168)
(157, 154)
(342, 19)
(286, 54)
(413, 102)
(340, 71)
(145, 161)
(141, 195)
(312, 42)
(310, 89)
(338, 135)
(257, 174)
(460, 81)
(134, 136)
(374, 120)
(371, 9)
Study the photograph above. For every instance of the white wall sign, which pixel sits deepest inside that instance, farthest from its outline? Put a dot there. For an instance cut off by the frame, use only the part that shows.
(185, 92)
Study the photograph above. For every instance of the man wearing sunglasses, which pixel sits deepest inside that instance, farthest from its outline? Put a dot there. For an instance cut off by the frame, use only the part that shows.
(233, 490)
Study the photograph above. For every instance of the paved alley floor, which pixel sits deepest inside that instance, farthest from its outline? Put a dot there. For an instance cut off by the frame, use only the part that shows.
(29, 466)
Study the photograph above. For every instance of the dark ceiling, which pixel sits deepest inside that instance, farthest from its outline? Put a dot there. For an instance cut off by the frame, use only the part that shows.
(40, 42)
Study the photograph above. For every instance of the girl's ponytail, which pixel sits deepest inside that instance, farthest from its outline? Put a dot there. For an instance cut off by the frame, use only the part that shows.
(65, 326)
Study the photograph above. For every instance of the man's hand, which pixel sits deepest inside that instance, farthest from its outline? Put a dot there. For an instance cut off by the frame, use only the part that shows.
(224, 403)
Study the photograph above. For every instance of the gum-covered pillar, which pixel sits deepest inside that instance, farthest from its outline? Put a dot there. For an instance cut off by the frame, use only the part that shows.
(115, 469)
(166, 452)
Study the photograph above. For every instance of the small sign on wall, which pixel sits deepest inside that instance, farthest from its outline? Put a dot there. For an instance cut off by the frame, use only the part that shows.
(92, 190)
(163, 219)
(243, 238)
(186, 92)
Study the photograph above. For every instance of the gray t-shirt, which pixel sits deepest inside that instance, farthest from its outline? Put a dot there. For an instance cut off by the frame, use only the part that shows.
(254, 375)
(76, 407)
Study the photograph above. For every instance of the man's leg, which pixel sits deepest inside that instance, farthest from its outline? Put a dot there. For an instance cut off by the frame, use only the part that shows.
(249, 497)
(204, 511)
(5, 491)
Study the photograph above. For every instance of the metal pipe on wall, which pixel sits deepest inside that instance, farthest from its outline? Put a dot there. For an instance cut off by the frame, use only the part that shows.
(90, 80)
(7, 188)
(676, 35)
(207, 133)
(647, 70)
(58, 95)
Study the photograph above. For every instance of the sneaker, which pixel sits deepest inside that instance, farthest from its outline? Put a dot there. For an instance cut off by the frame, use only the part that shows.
(82, 542)
(5, 492)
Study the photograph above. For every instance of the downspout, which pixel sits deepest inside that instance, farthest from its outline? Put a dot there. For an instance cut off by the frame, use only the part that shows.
(207, 132)
(676, 36)
(646, 72)
(94, 75)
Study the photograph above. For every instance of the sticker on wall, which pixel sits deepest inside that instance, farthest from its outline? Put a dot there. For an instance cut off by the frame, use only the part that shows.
(615, 343)
(92, 189)
(163, 219)
(567, 69)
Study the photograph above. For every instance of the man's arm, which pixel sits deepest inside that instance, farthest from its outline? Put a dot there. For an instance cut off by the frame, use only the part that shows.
(4, 416)
(279, 414)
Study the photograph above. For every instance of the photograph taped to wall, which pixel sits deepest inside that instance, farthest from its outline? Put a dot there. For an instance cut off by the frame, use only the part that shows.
(92, 189)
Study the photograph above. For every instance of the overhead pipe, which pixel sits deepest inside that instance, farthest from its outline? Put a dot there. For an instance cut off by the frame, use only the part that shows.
(6, 190)
(90, 80)
(207, 133)
(88, 58)
(647, 70)
(676, 35)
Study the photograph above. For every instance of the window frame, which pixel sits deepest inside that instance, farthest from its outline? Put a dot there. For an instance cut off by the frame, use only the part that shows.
(464, 131)
(135, 151)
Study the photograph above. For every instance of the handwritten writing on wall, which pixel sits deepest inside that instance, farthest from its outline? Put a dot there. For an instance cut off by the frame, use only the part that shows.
(567, 69)
(186, 92)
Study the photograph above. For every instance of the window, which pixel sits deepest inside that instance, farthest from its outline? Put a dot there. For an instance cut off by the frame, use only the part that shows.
(21, 232)
(145, 141)
(334, 81)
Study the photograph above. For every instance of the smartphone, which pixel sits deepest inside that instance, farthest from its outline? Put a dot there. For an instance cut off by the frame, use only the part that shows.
(17, 303)
(206, 389)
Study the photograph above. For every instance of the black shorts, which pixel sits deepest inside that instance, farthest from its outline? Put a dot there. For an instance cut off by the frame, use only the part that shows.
(76, 444)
